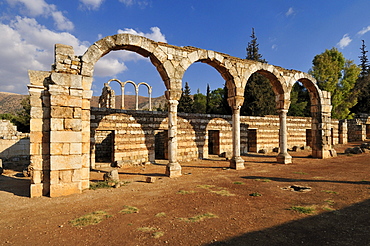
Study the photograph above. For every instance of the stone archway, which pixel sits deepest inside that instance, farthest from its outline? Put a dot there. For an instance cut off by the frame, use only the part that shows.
(60, 106)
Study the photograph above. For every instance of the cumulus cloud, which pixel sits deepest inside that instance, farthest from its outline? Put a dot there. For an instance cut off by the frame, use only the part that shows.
(345, 41)
(364, 30)
(155, 34)
(290, 12)
(25, 44)
(36, 8)
(92, 4)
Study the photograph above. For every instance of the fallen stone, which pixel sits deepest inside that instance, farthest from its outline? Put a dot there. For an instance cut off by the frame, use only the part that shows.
(298, 188)
(150, 179)
(111, 175)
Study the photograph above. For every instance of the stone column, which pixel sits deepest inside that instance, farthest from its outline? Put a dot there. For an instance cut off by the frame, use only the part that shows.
(173, 167)
(236, 162)
(283, 156)
(39, 134)
(137, 98)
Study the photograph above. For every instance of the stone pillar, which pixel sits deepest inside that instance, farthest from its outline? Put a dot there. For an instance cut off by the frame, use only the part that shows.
(39, 134)
(136, 97)
(283, 156)
(173, 167)
(236, 161)
(343, 132)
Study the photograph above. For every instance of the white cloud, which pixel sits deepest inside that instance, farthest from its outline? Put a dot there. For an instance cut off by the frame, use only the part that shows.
(92, 4)
(364, 30)
(140, 3)
(36, 8)
(344, 42)
(290, 12)
(274, 47)
(155, 35)
(109, 67)
(27, 45)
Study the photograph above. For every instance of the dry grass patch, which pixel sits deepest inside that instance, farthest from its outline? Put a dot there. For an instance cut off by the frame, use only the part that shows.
(129, 210)
(90, 219)
(199, 217)
(185, 192)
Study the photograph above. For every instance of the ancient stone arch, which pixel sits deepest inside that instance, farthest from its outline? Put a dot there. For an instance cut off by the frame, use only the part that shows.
(60, 113)
(136, 86)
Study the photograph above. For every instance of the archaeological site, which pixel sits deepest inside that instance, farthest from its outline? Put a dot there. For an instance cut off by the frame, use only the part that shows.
(69, 138)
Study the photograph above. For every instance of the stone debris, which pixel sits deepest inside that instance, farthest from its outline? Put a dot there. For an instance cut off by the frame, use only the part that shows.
(111, 175)
(150, 179)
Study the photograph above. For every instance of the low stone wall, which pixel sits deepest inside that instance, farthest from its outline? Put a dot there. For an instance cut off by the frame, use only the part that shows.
(14, 147)
(359, 128)
(137, 137)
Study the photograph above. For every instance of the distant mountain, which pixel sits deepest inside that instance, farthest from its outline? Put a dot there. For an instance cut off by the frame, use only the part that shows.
(11, 102)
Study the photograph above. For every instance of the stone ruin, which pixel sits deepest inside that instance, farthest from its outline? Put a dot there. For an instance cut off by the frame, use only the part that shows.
(60, 139)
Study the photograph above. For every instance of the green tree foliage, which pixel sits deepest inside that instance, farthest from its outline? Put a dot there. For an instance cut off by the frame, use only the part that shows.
(22, 118)
(199, 105)
(217, 103)
(362, 87)
(337, 75)
(186, 101)
(299, 101)
(259, 98)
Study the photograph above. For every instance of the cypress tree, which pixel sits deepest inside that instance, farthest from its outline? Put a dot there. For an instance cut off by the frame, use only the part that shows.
(259, 98)
(186, 102)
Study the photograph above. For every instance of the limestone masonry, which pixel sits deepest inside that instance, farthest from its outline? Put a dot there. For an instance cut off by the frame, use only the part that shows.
(61, 153)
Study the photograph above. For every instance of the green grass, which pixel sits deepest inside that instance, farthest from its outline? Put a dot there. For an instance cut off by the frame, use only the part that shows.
(222, 192)
(158, 234)
(206, 186)
(330, 191)
(162, 214)
(129, 210)
(185, 192)
(255, 194)
(90, 219)
(302, 209)
(238, 183)
(100, 185)
(330, 202)
(199, 217)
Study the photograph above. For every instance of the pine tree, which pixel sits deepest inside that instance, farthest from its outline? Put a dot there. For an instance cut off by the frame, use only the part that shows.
(259, 98)
(362, 87)
(199, 105)
(186, 102)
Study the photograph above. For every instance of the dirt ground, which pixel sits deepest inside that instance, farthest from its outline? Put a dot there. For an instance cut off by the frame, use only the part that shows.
(209, 204)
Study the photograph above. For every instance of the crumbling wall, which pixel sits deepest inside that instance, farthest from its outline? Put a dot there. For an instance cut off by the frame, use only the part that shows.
(14, 147)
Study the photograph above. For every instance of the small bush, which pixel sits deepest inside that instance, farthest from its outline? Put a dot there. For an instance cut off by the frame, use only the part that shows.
(162, 214)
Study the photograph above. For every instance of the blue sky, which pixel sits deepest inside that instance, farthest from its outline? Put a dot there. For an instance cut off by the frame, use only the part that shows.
(290, 33)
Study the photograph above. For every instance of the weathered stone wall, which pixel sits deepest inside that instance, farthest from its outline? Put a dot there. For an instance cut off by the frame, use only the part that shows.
(14, 146)
(134, 132)
(359, 128)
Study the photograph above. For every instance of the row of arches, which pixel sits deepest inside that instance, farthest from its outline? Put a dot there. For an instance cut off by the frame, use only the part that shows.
(171, 63)
(107, 97)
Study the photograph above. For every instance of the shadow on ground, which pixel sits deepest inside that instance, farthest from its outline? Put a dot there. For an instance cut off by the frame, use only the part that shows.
(348, 226)
(17, 186)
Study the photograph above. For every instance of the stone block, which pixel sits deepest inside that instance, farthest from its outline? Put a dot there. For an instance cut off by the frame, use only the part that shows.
(75, 148)
(65, 137)
(36, 190)
(61, 112)
(65, 189)
(60, 162)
